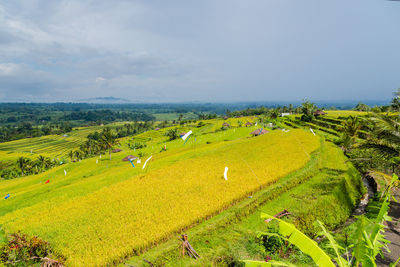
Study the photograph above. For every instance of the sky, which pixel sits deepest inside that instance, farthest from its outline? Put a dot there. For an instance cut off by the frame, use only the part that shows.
(199, 51)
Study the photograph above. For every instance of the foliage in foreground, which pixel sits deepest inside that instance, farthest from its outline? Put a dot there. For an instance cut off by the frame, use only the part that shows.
(22, 250)
(368, 240)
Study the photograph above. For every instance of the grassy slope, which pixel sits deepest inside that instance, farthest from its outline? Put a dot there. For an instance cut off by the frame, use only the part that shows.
(110, 186)
(329, 188)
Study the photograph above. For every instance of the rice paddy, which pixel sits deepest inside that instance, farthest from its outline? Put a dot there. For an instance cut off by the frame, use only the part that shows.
(101, 212)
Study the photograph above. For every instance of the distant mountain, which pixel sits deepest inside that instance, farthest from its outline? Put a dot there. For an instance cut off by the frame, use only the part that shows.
(105, 100)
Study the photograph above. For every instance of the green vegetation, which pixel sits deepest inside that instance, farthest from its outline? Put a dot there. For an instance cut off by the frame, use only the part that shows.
(182, 189)
(327, 187)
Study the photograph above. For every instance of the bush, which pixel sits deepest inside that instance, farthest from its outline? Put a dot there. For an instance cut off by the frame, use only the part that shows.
(307, 118)
(137, 145)
(22, 250)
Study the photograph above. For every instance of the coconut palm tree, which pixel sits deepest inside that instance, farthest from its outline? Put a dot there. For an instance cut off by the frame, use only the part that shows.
(385, 138)
(350, 129)
(41, 162)
(307, 109)
(23, 164)
(352, 126)
(108, 139)
(71, 155)
(172, 134)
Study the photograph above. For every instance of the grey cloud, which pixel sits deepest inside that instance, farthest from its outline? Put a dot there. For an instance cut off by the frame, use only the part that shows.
(199, 50)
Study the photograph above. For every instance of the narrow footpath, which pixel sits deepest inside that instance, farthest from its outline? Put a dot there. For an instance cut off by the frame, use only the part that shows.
(392, 234)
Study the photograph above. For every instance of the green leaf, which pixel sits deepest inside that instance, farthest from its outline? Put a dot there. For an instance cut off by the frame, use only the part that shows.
(303, 242)
(334, 245)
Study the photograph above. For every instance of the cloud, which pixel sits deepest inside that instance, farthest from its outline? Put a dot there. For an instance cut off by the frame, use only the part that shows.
(205, 51)
(100, 79)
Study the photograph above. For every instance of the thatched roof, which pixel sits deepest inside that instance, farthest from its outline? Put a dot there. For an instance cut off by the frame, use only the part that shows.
(225, 117)
(259, 132)
(156, 129)
(248, 123)
(130, 157)
(116, 150)
(319, 112)
(226, 124)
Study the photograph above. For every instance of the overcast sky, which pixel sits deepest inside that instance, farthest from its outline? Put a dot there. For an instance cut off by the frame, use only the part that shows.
(266, 50)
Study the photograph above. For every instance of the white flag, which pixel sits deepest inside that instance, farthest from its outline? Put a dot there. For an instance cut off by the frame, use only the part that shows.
(97, 161)
(226, 173)
(65, 172)
(144, 165)
(186, 135)
(139, 161)
(312, 131)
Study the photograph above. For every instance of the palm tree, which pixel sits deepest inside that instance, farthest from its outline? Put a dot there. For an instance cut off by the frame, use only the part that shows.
(172, 134)
(23, 164)
(108, 139)
(352, 126)
(307, 109)
(71, 155)
(385, 138)
(273, 113)
(77, 154)
(41, 162)
(48, 162)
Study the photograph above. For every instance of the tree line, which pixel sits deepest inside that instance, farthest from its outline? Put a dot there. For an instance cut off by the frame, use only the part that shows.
(26, 166)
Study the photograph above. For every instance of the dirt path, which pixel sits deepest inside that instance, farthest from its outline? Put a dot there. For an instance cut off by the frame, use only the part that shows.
(392, 234)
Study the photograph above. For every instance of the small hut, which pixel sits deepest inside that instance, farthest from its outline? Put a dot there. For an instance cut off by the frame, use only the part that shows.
(319, 113)
(129, 158)
(225, 117)
(225, 124)
(248, 124)
(116, 150)
(156, 129)
(259, 132)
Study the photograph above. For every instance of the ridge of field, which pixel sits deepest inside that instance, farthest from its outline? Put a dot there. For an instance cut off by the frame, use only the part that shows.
(103, 212)
(327, 188)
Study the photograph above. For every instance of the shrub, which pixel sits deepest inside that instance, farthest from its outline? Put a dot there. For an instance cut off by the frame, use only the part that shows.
(22, 250)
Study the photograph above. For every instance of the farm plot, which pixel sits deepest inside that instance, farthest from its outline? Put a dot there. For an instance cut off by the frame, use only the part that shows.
(141, 208)
(49, 145)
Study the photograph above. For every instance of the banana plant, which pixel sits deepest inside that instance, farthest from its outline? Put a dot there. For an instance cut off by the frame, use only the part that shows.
(369, 240)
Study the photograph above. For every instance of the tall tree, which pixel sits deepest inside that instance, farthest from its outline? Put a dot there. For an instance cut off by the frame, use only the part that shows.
(108, 139)
(307, 110)
(23, 163)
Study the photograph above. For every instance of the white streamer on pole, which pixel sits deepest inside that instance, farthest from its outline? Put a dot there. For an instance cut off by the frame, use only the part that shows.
(226, 173)
(312, 131)
(65, 172)
(97, 161)
(186, 135)
(144, 165)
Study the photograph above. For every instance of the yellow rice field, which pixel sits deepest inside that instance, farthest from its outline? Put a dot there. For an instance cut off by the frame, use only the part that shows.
(140, 208)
